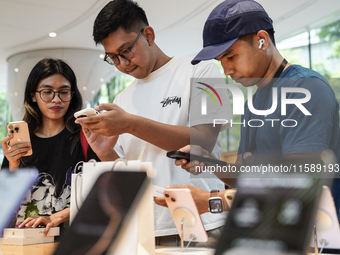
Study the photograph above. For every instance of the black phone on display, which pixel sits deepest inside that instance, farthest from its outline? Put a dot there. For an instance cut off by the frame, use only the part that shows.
(188, 157)
(100, 220)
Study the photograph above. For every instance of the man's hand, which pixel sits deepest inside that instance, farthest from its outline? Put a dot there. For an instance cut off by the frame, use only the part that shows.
(102, 145)
(191, 166)
(113, 122)
(200, 197)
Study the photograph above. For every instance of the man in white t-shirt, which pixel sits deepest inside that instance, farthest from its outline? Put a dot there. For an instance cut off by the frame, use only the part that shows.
(151, 116)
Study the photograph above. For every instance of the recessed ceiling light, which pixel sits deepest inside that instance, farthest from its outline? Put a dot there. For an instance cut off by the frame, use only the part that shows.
(84, 88)
(52, 34)
(101, 56)
(101, 80)
(93, 92)
(16, 69)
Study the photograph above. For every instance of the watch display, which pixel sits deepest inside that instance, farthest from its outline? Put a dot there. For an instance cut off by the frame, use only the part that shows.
(215, 202)
(215, 205)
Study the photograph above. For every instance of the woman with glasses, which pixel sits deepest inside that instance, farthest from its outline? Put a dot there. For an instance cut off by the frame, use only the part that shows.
(51, 98)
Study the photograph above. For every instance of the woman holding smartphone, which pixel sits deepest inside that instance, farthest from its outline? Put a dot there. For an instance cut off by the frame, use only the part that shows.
(51, 99)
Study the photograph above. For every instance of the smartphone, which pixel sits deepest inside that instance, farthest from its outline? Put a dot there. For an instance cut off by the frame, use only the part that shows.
(105, 214)
(188, 157)
(182, 207)
(229, 196)
(13, 187)
(276, 217)
(20, 132)
(85, 113)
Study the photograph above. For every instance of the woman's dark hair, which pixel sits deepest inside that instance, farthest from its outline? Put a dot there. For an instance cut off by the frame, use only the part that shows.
(45, 68)
(119, 13)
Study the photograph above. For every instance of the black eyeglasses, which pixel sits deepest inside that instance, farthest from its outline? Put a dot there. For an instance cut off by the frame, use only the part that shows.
(47, 95)
(125, 53)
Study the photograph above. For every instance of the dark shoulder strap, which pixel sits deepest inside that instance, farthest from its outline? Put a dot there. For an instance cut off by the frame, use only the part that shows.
(84, 144)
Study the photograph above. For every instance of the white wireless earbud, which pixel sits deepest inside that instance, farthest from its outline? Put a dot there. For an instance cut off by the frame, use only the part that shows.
(261, 43)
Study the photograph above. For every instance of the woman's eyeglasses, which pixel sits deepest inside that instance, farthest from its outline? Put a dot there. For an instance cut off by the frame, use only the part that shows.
(47, 95)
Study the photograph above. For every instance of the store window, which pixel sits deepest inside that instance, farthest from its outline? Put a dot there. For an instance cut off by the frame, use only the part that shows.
(5, 117)
(111, 89)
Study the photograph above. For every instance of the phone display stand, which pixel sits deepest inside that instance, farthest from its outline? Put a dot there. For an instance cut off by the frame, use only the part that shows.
(186, 219)
(326, 234)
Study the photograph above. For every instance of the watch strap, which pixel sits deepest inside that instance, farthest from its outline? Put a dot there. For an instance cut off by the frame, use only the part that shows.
(215, 193)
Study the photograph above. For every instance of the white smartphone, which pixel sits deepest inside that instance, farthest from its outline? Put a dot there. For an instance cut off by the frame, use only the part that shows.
(20, 132)
(183, 209)
(85, 113)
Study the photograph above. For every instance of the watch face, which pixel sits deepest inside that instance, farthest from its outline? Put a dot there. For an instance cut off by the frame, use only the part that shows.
(215, 205)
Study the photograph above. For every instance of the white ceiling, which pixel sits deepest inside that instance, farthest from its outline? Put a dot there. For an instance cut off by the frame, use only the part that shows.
(25, 24)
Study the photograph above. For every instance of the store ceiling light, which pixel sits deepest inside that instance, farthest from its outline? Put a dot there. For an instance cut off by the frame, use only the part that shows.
(52, 34)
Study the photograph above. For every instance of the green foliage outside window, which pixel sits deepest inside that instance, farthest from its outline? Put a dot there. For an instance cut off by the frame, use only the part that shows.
(331, 32)
(111, 89)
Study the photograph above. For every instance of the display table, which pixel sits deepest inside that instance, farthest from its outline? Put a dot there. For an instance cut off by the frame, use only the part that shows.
(189, 250)
(48, 249)
(35, 249)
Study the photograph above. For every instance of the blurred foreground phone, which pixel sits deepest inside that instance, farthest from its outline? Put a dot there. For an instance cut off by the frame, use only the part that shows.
(20, 132)
(271, 216)
(188, 157)
(13, 188)
(99, 221)
(182, 207)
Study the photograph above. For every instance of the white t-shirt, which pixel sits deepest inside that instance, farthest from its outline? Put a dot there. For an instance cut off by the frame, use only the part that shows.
(164, 96)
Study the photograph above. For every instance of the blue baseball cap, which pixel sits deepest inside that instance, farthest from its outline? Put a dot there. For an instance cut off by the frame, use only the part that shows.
(229, 21)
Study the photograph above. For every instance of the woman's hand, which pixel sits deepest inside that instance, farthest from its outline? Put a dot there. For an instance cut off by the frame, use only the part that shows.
(53, 220)
(15, 152)
(33, 222)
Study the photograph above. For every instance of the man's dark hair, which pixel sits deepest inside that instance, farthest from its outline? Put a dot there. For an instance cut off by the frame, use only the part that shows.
(249, 38)
(119, 13)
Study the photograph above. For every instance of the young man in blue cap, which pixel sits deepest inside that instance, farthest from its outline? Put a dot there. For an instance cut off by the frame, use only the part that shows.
(239, 34)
